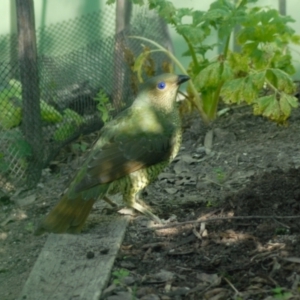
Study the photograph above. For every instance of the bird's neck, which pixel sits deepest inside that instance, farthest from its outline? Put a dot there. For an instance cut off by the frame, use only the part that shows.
(155, 104)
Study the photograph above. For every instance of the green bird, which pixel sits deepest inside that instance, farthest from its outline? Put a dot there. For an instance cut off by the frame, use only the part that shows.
(131, 152)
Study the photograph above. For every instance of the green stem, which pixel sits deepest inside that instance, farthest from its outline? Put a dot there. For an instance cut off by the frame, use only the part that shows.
(226, 47)
(276, 91)
(213, 106)
(191, 48)
(193, 54)
(196, 100)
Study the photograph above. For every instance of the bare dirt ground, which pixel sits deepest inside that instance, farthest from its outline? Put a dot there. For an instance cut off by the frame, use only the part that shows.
(250, 167)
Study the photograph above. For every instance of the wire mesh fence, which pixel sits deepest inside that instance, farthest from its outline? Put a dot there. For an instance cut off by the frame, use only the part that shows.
(85, 73)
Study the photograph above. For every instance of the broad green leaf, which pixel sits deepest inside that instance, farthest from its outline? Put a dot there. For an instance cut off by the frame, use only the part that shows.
(249, 92)
(249, 48)
(202, 49)
(49, 113)
(216, 14)
(286, 103)
(72, 117)
(258, 79)
(16, 87)
(197, 17)
(268, 106)
(64, 132)
(227, 73)
(209, 77)
(243, 89)
(259, 33)
(238, 62)
(257, 57)
(71, 121)
(183, 12)
(262, 103)
(283, 62)
(295, 39)
(293, 101)
(225, 30)
(165, 9)
(195, 35)
(10, 114)
(280, 80)
(284, 106)
(274, 109)
(232, 91)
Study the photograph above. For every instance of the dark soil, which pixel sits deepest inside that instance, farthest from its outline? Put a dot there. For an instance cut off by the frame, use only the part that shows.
(249, 169)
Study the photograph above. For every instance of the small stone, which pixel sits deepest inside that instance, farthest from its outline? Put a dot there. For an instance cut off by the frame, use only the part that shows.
(121, 296)
(128, 265)
(128, 280)
(161, 276)
(104, 251)
(144, 291)
(171, 191)
(90, 255)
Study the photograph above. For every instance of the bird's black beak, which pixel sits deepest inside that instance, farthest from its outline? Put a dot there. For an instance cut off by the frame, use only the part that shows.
(182, 79)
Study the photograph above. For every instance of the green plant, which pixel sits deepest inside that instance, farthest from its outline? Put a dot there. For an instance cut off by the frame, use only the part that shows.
(263, 63)
(220, 174)
(119, 275)
(211, 203)
(80, 147)
(29, 227)
(71, 121)
(264, 58)
(104, 106)
(11, 107)
(281, 294)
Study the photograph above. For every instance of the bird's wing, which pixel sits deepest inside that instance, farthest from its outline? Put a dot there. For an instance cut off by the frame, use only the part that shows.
(126, 151)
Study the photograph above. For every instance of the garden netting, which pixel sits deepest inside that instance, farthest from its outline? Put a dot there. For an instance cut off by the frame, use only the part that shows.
(85, 74)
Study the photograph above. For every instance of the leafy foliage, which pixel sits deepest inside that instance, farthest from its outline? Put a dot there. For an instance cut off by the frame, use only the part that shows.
(70, 123)
(49, 113)
(11, 107)
(119, 275)
(263, 62)
(104, 106)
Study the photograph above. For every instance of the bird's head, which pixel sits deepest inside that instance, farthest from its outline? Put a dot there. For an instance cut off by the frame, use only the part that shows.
(160, 91)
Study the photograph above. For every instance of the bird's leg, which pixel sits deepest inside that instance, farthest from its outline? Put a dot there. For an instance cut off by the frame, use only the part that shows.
(131, 202)
(110, 202)
(114, 207)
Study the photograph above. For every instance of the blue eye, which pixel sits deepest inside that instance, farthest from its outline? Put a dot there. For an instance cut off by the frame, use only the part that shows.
(161, 85)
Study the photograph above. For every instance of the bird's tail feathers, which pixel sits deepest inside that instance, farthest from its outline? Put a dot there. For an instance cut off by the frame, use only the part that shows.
(68, 215)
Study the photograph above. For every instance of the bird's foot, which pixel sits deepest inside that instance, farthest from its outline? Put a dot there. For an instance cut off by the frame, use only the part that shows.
(112, 208)
(146, 212)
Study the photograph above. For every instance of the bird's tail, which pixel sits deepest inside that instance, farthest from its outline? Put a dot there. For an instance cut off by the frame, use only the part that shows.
(68, 215)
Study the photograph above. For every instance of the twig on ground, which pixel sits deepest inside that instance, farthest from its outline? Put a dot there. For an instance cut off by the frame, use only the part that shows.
(231, 285)
(282, 224)
(219, 219)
